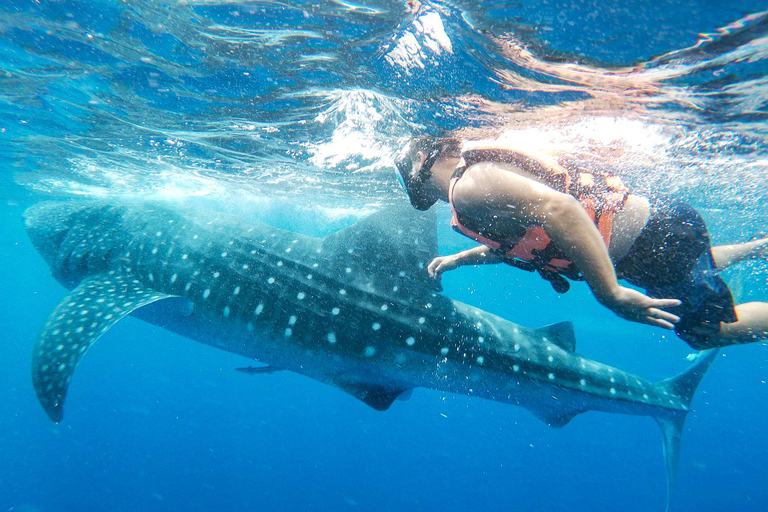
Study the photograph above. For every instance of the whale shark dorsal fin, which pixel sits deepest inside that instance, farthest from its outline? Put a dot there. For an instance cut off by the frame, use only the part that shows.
(78, 321)
(560, 334)
(387, 250)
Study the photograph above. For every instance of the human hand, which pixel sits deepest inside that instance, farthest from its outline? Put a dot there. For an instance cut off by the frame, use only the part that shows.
(442, 264)
(637, 307)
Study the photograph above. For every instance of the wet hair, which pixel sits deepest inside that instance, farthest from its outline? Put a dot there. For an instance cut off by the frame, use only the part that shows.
(413, 182)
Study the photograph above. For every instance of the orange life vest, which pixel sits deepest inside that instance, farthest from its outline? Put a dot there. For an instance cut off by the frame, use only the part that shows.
(601, 196)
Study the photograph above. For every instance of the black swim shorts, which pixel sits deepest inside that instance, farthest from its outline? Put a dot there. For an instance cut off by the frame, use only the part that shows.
(672, 259)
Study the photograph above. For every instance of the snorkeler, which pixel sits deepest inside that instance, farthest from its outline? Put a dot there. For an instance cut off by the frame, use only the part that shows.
(530, 212)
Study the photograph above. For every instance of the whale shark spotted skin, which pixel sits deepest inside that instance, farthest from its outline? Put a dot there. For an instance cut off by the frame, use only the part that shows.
(355, 310)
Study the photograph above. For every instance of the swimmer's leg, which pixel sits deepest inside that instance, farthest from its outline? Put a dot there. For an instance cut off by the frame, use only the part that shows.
(727, 255)
(751, 326)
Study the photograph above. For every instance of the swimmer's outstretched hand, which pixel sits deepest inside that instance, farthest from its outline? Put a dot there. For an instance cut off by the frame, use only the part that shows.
(443, 264)
(480, 255)
(635, 306)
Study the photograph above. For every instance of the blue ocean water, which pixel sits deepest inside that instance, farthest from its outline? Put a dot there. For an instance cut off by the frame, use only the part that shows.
(292, 112)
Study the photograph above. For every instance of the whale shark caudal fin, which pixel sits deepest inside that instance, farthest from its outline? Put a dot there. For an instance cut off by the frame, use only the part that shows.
(684, 386)
(76, 323)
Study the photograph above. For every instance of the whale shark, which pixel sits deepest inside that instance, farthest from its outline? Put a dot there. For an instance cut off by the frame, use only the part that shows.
(355, 310)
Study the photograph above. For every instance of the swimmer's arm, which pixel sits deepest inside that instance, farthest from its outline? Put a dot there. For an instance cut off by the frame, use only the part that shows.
(480, 255)
(571, 229)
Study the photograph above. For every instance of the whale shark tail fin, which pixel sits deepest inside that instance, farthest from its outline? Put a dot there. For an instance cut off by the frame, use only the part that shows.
(683, 386)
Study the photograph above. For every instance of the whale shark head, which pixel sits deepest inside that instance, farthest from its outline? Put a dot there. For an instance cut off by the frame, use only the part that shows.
(47, 225)
(75, 240)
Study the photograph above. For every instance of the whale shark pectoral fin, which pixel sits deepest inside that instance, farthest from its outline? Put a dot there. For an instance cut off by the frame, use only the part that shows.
(76, 323)
(561, 334)
(379, 397)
